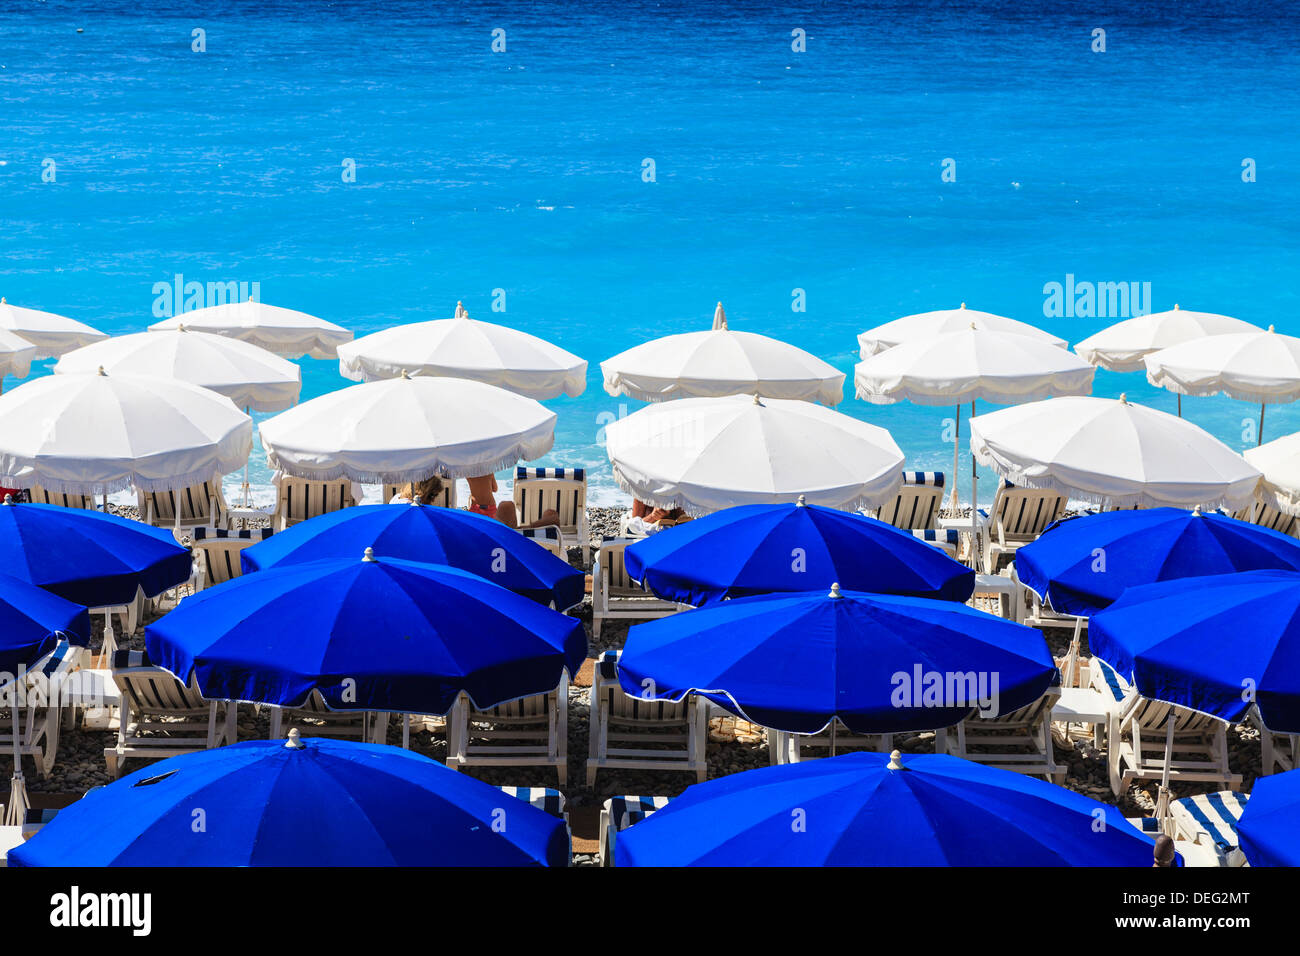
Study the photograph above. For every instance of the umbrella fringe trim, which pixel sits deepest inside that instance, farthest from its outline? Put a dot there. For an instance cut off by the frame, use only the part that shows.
(1241, 395)
(136, 482)
(519, 453)
(680, 501)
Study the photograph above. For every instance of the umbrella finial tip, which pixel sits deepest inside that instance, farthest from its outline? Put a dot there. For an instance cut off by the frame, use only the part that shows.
(803, 501)
(369, 555)
(295, 740)
(101, 370)
(406, 374)
(1270, 328)
(1175, 306)
(835, 591)
(9, 499)
(963, 305)
(1123, 397)
(896, 761)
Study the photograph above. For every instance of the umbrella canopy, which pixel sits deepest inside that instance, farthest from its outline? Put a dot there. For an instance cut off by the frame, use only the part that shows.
(51, 334)
(926, 325)
(406, 429)
(302, 803)
(1267, 829)
(970, 364)
(16, 355)
(1081, 565)
(97, 434)
(1254, 366)
(248, 375)
(285, 332)
(758, 549)
(1124, 346)
(1112, 452)
(704, 454)
(1221, 644)
(1279, 460)
(89, 558)
(458, 539)
(868, 809)
(880, 663)
(33, 622)
(721, 362)
(462, 347)
(369, 634)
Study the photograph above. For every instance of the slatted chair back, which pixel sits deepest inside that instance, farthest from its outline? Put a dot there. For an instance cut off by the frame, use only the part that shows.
(562, 490)
(153, 690)
(201, 504)
(43, 496)
(1022, 514)
(917, 506)
(304, 498)
(1267, 516)
(219, 550)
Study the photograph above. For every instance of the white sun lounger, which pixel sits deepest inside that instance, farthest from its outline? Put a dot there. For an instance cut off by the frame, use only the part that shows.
(1020, 740)
(619, 813)
(562, 490)
(303, 498)
(1210, 820)
(615, 595)
(637, 734)
(529, 732)
(193, 507)
(1017, 517)
(216, 554)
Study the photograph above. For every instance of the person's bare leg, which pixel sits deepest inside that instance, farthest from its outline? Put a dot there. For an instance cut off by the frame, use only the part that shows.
(639, 508)
(480, 490)
(549, 516)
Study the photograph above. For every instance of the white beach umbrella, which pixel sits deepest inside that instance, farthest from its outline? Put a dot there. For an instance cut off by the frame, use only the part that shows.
(97, 434)
(51, 334)
(1254, 366)
(927, 324)
(248, 375)
(1279, 460)
(704, 454)
(462, 347)
(285, 332)
(406, 429)
(1112, 452)
(16, 355)
(959, 367)
(1124, 346)
(720, 362)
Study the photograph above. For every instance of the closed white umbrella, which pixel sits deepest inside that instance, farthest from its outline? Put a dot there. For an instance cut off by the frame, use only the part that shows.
(959, 367)
(248, 375)
(16, 355)
(1279, 460)
(1112, 452)
(1255, 366)
(51, 334)
(285, 332)
(927, 324)
(705, 454)
(98, 434)
(406, 429)
(462, 347)
(1124, 346)
(719, 362)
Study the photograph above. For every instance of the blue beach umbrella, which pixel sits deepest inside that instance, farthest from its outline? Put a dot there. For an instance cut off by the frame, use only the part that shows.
(86, 557)
(880, 663)
(1269, 828)
(36, 629)
(758, 549)
(1080, 565)
(301, 803)
(1219, 644)
(868, 809)
(433, 535)
(369, 634)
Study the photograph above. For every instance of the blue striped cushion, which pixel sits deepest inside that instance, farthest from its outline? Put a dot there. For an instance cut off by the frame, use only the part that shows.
(548, 532)
(923, 478)
(543, 798)
(948, 535)
(1113, 682)
(126, 658)
(58, 657)
(607, 665)
(523, 472)
(627, 810)
(259, 534)
(1217, 814)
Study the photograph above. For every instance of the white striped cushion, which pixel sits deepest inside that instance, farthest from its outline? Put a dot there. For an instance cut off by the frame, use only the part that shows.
(203, 533)
(523, 473)
(923, 478)
(1214, 814)
(543, 798)
(947, 535)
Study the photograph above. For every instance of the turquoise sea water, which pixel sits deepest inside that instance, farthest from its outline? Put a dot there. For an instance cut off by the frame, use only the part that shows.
(775, 170)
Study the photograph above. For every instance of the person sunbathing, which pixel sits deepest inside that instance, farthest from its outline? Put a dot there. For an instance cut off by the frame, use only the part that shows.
(482, 500)
(425, 492)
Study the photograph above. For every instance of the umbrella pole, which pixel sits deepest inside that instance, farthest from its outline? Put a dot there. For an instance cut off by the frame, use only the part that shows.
(1180, 404)
(406, 731)
(974, 500)
(17, 806)
(248, 503)
(1259, 439)
(956, 459)
(834, 721)
(1162, 801)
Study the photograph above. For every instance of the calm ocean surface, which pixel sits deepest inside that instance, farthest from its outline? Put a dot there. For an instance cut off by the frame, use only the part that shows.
(775, 171)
